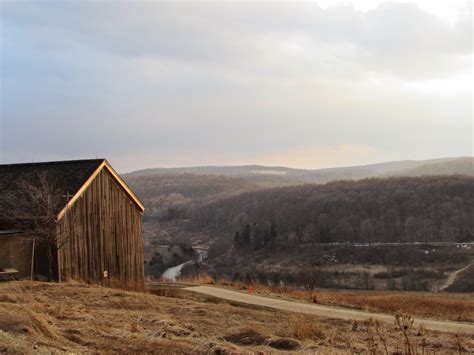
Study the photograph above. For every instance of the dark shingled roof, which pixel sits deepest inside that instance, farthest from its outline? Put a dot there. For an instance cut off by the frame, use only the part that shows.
(67, 177)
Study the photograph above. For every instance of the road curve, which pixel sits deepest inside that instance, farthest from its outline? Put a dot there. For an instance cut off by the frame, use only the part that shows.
(327, 311)
(454, 275)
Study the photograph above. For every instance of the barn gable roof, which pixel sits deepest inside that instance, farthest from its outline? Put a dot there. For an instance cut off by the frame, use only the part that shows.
(104, 165)
(70, 179)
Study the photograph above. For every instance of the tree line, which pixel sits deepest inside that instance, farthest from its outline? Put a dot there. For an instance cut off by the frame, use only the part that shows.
(422, 209)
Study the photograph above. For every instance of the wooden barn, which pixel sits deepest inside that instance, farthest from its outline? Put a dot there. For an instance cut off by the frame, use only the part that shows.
(70, 220)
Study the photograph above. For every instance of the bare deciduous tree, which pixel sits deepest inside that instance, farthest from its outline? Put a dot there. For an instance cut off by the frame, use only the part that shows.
(309, 279)
(34, 210)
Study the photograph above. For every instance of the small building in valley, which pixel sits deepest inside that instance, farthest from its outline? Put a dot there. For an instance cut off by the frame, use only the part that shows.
(70, 220)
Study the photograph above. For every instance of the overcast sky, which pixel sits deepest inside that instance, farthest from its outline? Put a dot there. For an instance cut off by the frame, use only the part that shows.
(308, 85)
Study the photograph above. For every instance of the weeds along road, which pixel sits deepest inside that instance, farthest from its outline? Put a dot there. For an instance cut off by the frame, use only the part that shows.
(326, 311)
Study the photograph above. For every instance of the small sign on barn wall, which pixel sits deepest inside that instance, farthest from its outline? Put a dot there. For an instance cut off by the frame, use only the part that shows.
(106, 273)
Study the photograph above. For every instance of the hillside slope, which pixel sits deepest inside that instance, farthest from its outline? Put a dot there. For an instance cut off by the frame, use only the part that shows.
(436, 209)
(397, 233)
(164, 195)
(274, 176)
(462, 166)
(82, 318)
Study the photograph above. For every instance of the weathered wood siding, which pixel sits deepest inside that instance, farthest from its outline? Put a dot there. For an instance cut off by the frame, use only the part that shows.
(102, 232)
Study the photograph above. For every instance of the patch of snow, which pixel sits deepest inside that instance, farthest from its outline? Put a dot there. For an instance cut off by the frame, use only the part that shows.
(269, 172)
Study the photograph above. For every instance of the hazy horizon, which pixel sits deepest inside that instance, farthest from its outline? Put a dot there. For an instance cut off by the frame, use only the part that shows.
(308, 85)
(290, 167)
(243, 165)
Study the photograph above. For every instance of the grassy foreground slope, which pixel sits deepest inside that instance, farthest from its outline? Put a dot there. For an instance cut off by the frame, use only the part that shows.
(80, 318)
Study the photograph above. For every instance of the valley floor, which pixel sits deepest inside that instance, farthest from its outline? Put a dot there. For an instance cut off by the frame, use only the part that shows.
(78, 318)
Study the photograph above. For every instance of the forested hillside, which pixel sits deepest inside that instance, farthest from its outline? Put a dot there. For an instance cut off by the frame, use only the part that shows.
(167, 192)
(436, 209)
(166, 196)
(261, 234)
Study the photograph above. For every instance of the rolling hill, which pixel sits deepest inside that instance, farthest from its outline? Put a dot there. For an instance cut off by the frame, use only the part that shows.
(275, 176)
(462, 166)
(163, 193)
(296, 218)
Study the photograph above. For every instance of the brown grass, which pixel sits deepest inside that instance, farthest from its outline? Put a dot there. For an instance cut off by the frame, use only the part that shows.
(302, 328)
(246, 337)
(199, 279)
(284, 344)
(164, 290)
(81, 318)
(252, 337)
(424, 305)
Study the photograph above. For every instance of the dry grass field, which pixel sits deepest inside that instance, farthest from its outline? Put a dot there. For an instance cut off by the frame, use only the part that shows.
(444, 306)
(81, 318)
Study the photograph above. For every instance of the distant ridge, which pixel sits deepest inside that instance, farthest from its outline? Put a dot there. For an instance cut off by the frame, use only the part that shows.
(462, 166)
(272, 176)
(225, 170)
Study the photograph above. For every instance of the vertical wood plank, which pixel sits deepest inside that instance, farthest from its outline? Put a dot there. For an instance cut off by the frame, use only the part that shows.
(104, 232)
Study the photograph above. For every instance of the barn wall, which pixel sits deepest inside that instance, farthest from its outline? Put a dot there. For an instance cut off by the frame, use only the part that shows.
(102, 233)
(5, 260)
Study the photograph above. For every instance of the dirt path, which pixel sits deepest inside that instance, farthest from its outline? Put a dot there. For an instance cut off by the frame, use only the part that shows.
(326, 311)
(453, 276)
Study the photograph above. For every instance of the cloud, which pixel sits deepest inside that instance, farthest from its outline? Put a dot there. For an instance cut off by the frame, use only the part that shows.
(230, 32)
(166, 82)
